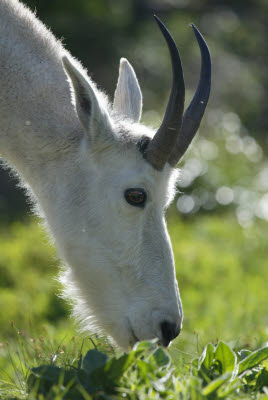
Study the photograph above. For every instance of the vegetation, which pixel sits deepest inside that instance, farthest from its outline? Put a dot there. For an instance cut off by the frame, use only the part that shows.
(146, 372)
(223, 277)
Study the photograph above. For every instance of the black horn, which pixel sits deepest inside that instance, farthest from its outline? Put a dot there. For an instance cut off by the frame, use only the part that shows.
(194, 113)
(164, 141)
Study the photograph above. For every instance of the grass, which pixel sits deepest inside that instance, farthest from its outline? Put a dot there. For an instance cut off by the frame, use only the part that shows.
(223, 278)
(147, 372)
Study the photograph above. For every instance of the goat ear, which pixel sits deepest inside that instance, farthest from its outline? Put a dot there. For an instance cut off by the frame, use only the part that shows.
(128, 96)
(87, 104)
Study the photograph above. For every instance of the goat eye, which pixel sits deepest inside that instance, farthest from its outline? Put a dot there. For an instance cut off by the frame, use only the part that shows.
(136, 197)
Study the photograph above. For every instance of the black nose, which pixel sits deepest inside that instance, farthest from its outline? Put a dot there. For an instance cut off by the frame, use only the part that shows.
(169, 332)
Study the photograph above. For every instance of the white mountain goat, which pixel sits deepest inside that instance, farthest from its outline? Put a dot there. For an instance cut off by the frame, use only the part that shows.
(101, 179)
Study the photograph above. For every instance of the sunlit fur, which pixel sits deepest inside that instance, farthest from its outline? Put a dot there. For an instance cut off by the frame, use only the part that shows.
(118, 262)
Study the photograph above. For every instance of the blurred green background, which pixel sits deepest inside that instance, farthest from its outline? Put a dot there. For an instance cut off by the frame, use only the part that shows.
(218, 222)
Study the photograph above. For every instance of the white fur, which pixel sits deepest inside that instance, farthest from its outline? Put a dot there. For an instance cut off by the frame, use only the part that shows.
(119, 267)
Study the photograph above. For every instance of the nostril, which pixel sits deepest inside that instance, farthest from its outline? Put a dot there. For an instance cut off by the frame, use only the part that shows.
(169, 332)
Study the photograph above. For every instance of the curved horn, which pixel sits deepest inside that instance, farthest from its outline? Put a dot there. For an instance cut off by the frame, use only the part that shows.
(194, 113)
(162, 144)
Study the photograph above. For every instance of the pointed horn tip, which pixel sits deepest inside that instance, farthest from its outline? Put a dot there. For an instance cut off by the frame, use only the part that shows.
(196, 31)
(159, 22)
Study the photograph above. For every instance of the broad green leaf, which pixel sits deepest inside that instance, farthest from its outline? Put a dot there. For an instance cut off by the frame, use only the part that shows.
(214, 385)
(229, 388)
(53, 374)
(109, 374)
(226, 357)
(253, 359)
(244, 353)
(47, 376)
(145, 369)
(206, 358)
(116, 367)
(262, 380)
(203, 373)
(94, 359)
(145, 346)
(161, 357)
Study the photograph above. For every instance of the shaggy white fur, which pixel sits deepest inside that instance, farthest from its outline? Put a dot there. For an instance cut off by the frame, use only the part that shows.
(77, 160)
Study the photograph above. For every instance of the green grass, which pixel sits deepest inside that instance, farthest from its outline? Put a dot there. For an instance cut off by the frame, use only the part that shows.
(86, 371)
(223, 278)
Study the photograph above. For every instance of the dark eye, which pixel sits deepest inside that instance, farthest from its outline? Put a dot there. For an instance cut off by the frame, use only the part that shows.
(136, 197)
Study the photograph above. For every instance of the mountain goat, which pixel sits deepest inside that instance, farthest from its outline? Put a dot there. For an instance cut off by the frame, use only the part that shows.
(100, 178)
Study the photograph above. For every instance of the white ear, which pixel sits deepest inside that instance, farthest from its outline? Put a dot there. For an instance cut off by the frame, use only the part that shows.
(128, 96)
(90, 111)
